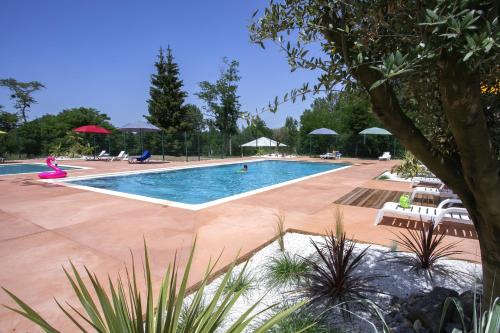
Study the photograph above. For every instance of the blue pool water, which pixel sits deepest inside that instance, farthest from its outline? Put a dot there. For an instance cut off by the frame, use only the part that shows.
(7, 169)
(204, 184)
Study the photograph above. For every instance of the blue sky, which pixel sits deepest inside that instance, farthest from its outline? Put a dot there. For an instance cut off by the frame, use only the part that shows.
(100, 53)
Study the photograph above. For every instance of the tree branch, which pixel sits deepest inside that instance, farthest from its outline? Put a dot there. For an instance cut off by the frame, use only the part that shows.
(387, 107)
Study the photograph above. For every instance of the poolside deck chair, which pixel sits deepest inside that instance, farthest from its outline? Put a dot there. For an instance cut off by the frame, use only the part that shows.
(426, 214)
(386, 156)
(144, 158)
(416, 181)
(327, 156)
(120, 157)
(440, 191)
(102, 154)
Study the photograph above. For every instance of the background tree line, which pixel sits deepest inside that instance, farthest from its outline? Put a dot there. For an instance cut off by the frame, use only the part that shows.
(346, 112)
(216, 129)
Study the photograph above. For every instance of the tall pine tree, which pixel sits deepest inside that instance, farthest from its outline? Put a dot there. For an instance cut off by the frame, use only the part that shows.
(166, 101)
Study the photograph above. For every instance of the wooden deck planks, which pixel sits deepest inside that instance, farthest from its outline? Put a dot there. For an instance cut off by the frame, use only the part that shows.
(370, 198)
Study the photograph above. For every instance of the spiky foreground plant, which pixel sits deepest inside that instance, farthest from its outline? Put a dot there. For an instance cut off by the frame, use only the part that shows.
(332, 278)
(239, 283)
(280, 231)
(482, 322)
(427, 250)
(121, 310)
(409, 167)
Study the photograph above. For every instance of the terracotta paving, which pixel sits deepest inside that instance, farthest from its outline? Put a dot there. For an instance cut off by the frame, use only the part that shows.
(43, 225)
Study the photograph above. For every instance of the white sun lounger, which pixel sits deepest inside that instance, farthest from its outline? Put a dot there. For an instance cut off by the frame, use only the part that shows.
(415, 181)
(386, 156)
(427, 214)
(101, 155)
(120, 157)
(436, 192)
(327, 156)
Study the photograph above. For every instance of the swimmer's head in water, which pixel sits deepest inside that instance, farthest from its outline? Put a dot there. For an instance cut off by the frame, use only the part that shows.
(245, 166)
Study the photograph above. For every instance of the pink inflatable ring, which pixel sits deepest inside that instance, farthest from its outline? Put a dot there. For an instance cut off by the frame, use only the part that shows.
(57, 173)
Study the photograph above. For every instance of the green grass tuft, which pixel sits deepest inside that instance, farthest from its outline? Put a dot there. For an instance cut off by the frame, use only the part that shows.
(285, 270)
(302, 321)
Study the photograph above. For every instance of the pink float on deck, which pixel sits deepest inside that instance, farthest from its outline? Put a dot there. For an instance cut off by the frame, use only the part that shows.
(57, 173)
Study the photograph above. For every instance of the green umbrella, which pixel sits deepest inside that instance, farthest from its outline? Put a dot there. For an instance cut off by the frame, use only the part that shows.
(377, 131)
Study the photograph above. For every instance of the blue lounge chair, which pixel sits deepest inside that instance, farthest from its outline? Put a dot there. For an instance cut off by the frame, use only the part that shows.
(144, 158)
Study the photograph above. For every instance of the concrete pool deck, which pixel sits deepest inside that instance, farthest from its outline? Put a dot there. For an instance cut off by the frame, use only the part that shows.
(43, 225)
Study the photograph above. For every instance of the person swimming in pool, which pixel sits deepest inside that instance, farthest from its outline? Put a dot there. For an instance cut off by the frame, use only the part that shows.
(244, 169)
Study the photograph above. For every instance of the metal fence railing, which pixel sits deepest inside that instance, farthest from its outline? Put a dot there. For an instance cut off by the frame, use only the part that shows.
(190, 145)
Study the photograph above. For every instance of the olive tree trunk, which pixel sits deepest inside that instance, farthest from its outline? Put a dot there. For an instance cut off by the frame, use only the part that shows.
(473, 172)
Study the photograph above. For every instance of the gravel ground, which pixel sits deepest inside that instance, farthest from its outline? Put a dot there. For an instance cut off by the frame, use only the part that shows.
(397, 280)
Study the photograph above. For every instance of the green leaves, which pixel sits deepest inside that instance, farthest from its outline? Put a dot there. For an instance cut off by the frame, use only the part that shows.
(463, 30)
(120, 310)
(378, 84)
(395, 64)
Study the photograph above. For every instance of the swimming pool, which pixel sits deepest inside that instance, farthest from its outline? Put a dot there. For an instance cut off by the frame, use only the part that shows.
(23, 168)
(203, 186)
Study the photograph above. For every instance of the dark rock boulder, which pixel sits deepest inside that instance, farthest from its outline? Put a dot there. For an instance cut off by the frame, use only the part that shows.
(427, 308)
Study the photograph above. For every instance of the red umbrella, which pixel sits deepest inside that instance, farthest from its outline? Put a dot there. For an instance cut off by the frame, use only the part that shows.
(92, 129)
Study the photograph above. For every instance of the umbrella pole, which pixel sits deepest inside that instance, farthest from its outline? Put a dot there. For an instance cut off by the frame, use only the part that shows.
(94, 146)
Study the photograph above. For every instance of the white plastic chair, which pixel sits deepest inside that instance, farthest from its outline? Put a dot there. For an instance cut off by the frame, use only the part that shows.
(426, 214)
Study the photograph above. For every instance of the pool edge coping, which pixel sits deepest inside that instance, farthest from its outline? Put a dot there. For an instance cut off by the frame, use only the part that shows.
(193, 207)
(76, 167)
